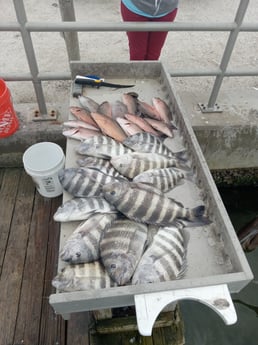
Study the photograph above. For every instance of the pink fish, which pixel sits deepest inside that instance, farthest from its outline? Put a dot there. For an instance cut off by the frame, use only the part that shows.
(129, 127)
(163, 109)
(148, 110)
(80, 133)
(78, 123)
(142, 123)
(161, 127)
(131, 103)
(83, 115)
(109, 127)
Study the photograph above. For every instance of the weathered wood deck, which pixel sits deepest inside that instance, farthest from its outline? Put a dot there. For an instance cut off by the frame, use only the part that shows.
(29, 245)
(29, 240)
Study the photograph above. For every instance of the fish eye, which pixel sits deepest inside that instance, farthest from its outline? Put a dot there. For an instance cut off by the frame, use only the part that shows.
(113, 192)
(113, 266)
(78, 254)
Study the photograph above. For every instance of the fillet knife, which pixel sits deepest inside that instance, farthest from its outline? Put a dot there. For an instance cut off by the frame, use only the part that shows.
(96, 81)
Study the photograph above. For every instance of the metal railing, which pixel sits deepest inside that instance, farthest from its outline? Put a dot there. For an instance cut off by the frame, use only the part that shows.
(69, 27)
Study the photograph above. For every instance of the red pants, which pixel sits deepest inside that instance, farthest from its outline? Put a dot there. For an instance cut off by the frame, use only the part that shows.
(145, 45)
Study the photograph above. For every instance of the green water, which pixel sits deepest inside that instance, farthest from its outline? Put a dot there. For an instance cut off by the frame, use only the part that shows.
(202, 325)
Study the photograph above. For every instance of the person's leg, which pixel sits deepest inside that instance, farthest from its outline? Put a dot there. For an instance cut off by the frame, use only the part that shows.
(137, 40)
(157, 39)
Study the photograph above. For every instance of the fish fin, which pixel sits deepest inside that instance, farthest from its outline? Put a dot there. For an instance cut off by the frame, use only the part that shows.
(176, 202)
(147, 187)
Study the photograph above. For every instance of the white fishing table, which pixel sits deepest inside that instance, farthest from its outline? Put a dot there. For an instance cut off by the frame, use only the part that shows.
(217, 265)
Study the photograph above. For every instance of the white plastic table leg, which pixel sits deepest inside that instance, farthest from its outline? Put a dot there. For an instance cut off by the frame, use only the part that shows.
(217, 297)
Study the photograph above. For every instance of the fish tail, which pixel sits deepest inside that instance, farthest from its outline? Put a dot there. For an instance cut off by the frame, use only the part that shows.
(197, 216)
(181, 155)
(198, 211)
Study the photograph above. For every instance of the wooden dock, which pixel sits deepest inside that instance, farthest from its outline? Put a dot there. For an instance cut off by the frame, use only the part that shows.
(29, 245)
(29, 240)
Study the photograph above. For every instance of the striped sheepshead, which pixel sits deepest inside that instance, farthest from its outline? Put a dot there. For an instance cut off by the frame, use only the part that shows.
(82, 208)
(147, 142)
(83, 244)
(132, 164)
(82, 277)
(163, 179)
(145, 204)
(102, 147)
(164, 260)
(121, 248)
(99, 164)
(81, 182)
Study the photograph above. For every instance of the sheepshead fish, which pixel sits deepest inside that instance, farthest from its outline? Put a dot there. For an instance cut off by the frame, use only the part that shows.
(132, 164)
(163, 179)
(82, 208)
(88, 103)
(99, 164)
(83, 244)
(128, 126)
(80, 133)
(121, 248)
(109, 126)
(164, 260)
(83, 115)
(81, 182)
(163, 109)
(101, 147)
(147, 142)
(143, 203)
(82, 277)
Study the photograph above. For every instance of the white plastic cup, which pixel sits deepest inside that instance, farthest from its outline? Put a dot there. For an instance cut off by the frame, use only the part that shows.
(43, 161)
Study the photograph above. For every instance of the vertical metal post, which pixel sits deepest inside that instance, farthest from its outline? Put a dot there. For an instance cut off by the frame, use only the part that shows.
(31, 57)
(211, 107)
(71, 38)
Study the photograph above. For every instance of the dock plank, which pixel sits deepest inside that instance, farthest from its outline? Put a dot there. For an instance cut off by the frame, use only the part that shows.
(29, 245)
(9, 182)
(53, 327)
(28, 320)
(13, 264)
(78, 329)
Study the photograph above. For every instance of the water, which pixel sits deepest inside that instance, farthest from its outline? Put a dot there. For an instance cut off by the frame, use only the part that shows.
(202, 325)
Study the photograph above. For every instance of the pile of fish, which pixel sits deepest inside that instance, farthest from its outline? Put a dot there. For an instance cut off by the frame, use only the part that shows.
(131, 230)
(119, 119)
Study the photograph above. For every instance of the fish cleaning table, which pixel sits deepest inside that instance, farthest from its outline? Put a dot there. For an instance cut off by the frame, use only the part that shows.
(216, 263)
